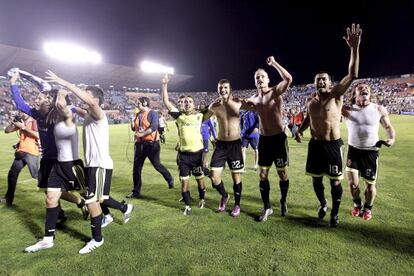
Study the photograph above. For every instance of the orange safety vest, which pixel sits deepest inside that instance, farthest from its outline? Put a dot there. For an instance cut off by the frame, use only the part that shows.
(142, 123)
(28, 143)
(298, 118)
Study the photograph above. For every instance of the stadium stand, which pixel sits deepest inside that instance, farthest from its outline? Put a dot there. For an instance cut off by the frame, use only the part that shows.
(123, 85)
(396, 93)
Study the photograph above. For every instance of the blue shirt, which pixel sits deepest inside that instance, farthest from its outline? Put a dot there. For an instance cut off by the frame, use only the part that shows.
(47, 139)
(249, 120)
(207, 129)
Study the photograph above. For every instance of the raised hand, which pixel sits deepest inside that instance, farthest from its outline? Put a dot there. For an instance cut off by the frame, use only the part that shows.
(353, 35)
(14, 78)
(165, 79)
(50, 76)
(270, 60)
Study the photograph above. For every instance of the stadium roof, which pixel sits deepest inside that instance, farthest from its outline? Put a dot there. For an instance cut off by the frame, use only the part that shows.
(104, 74)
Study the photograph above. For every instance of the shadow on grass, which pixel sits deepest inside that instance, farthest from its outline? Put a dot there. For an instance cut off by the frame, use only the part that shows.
(308, 221)
(25, 216)
(159, 200)
(377, 236)
(254, 215)
(173, 201)
(74, 233)
(211, 204)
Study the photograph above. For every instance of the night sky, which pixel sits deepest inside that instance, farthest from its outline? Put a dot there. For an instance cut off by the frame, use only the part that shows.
(222, 38)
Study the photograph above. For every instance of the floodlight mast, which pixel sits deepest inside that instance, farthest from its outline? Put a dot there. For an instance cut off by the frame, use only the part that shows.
(70, 52)
(152, 67)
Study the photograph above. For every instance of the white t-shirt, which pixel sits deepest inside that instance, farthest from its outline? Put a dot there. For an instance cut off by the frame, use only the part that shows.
(363, 126)
(67, 142)
(96, 143)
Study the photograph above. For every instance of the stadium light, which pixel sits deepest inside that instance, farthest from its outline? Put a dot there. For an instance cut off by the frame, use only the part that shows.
(152, 67)
(71, 53)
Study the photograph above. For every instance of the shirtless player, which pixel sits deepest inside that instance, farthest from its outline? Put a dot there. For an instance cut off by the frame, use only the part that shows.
(272, 141)
(324, 150)
(228, 147)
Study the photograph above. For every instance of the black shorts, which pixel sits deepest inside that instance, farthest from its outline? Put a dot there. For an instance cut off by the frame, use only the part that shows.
(274, 149)
(191, 163)
(67, 176)
(325, 159)
(229, 151)
(45, 168)
(364, 162)
(98, 184)
(254, 142)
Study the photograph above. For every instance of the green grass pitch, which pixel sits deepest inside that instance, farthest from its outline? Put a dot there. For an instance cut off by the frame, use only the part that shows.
(160, 240)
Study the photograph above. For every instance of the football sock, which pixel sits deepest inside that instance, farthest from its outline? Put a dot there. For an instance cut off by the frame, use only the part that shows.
(96, 223)
(284, 187)
(50, 221)
(186, 197)
(221, 190)
(336, 192)
(319, 191)
(264, 191)
(201, 192)
(237, 188)
(114, 204)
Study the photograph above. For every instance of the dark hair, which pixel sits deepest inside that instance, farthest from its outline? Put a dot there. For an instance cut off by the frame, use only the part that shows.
(182, 96)
(144, 101)
(97, 93)
(323, 72)
(222, 81)
(353, 97)
(52, 92)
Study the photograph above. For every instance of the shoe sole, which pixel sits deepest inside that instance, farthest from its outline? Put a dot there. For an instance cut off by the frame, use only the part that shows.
(82, 253)
(129, 215)
(39, 249)
(220, 210)
(266, 217)
(107, 223)
(366, 219)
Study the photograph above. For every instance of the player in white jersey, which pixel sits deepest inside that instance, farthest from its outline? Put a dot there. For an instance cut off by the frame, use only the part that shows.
(98, 162)
(162, 126)
(67, 173)
(363, 119)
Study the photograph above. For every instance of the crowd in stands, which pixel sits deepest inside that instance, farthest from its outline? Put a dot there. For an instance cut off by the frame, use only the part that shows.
(395, 93)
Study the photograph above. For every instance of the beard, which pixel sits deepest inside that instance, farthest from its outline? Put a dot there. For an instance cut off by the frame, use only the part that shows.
(322, 90)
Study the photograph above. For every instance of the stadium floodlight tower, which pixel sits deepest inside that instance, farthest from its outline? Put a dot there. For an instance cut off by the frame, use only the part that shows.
(152, 67)
(70, 52)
